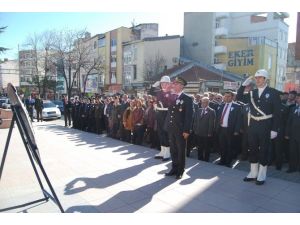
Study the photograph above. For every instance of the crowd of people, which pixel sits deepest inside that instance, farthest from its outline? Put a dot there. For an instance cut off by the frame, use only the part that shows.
(259, 124)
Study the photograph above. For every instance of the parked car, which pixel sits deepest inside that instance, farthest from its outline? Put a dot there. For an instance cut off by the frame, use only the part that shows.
(5, 103)
(3, 100)
(59, 104)
(50, 111)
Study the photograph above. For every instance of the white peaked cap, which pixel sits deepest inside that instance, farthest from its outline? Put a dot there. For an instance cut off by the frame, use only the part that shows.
(165, 79)
(262, 73)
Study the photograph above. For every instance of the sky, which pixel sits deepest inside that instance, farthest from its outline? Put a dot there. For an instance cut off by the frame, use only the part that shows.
(20, 25)
(34, 19)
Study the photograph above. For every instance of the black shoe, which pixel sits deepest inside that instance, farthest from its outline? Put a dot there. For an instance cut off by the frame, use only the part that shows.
(221, 163)
(165, 159)
(171, 173)
(179, 175)
(258, 182)
(247, 179)
(158, 157)
(290, 171)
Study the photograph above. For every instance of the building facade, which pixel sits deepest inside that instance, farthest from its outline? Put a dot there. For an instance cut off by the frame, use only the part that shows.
(202, 31)
(246, 55)
(293, 70)
(145, 59)
(9, 73)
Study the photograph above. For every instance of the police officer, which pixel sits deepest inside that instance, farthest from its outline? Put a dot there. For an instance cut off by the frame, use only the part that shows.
(163, 101)
(178, 124)
(264, 116)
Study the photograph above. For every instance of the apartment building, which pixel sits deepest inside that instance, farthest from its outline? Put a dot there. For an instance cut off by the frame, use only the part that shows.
(9, 73)
(293, 70)
(146, 58)
(203, 29)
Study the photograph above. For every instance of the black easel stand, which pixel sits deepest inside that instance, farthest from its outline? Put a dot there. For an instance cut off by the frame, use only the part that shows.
(33, 155)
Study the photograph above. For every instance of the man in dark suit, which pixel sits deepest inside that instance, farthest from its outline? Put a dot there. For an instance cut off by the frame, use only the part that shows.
(293, 134)
(178, 124)
(263, 123)
(203, 128)
(228, 126)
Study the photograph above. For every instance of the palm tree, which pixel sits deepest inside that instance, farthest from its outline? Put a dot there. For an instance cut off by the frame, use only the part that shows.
(2, 49)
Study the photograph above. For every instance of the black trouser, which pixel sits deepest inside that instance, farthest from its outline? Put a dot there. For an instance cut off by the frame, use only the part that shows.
(138, 134)
(67, 117)
(30, 112)
(278, 150)
(128, 136)
(178, 151)
(225, 146)
(203, 145)
(245, 146)
(191, 143)
(39, 115)
(294, 161)
(259, 141)
(162, 134)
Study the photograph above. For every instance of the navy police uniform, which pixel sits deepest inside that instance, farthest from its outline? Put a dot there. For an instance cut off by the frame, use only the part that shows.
(179, 121)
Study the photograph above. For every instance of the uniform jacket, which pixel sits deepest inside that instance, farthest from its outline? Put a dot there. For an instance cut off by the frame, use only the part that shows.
(180, 115)
(269, 102)
(204, 123)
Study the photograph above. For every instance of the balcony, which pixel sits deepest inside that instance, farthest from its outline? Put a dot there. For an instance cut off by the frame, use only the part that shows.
(221, 32)
(222, 15)
(220, 49)
(220, 66)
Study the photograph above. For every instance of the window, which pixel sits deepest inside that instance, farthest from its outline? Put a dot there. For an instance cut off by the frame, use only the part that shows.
(217, 23)
(113, 79)
(113, 42)
(113, 58)
(270, 62)
(258, 18)
(95, 44)
(101, 42)
(134, 72)
(27, 64)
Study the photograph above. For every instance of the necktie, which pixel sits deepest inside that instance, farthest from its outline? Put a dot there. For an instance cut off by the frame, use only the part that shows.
(223, 114)
(202, 113)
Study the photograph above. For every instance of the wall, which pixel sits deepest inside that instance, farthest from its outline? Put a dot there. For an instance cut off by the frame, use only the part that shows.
(198, 42)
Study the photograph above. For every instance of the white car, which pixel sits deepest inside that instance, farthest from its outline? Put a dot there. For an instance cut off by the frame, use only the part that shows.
(50, 111)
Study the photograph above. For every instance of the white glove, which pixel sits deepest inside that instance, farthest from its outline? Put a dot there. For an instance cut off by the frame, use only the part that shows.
(247, 81)
(273, 134)
(156, 84)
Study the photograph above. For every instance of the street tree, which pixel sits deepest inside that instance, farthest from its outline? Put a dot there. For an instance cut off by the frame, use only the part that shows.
(2, 49)
(70, 55)
(153, 67)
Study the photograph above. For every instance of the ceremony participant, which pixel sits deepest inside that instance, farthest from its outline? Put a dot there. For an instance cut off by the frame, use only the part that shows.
(29, 103)
(228, 126)
(264, 116)
(38, 105)
(293, 134)
(163, 101)
(203, 128)
(67, 110)
(178, 124)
